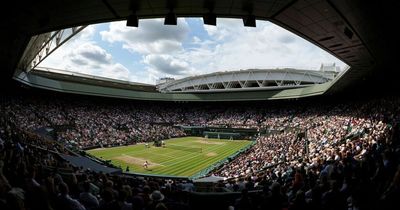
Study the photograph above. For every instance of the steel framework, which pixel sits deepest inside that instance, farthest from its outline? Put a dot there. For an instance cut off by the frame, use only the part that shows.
(244, 80)
(42, 45)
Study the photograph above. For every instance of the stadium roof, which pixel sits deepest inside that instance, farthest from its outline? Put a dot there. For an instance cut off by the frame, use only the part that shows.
(245, 80)
(357, 32)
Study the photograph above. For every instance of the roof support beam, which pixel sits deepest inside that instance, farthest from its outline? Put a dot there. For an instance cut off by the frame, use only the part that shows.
(41, 46)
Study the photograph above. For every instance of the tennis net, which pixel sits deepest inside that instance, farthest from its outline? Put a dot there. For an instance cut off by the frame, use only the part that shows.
(183, 148)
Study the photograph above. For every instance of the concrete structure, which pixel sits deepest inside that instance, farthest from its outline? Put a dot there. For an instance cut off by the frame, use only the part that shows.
(360, 33)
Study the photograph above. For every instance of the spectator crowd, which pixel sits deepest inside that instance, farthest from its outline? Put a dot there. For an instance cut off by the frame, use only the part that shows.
(312, 156)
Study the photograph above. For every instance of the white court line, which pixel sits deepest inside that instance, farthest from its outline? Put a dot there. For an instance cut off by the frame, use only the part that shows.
(195, 156)
(152, 153)
(212, 148)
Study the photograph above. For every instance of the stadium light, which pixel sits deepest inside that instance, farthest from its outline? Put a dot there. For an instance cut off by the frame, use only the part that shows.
(249, 21)
(170, 19)
(210, 19)
(132, 21)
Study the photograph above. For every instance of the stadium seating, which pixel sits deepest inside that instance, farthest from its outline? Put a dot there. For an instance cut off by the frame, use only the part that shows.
(346, 156)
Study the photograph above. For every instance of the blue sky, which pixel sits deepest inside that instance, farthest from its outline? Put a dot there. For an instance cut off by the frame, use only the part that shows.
(153, 50)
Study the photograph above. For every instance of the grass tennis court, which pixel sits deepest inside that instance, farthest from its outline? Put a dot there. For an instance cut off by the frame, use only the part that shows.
(171, 161)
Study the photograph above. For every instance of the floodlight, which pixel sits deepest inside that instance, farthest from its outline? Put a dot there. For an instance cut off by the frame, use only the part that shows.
(170, 19)
(249, 21)
(210, 19)
(132, 21)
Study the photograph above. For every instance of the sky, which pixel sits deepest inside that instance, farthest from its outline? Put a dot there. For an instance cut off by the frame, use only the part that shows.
(154, 50)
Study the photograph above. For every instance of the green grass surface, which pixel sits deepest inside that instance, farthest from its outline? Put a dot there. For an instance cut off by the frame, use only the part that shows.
(167, 161)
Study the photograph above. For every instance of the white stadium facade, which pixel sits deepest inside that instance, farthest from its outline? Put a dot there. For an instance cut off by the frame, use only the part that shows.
(251, 79)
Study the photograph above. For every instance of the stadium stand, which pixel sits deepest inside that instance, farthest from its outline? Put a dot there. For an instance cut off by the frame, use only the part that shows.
(350, 146)
(348, 157)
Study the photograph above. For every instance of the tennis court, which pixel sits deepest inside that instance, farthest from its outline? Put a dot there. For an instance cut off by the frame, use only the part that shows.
(180, 157)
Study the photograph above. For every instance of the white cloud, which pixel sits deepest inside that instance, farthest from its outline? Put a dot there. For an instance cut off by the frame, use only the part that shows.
(265, 46)
(151, 37)
(89, 53)
(232, 47)
(225, 28)
(170, 51)
(117, 71)
(159, 46)
(83, 55)
(166, 64)
(88, 32)
(196, 40)
(88, 58)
